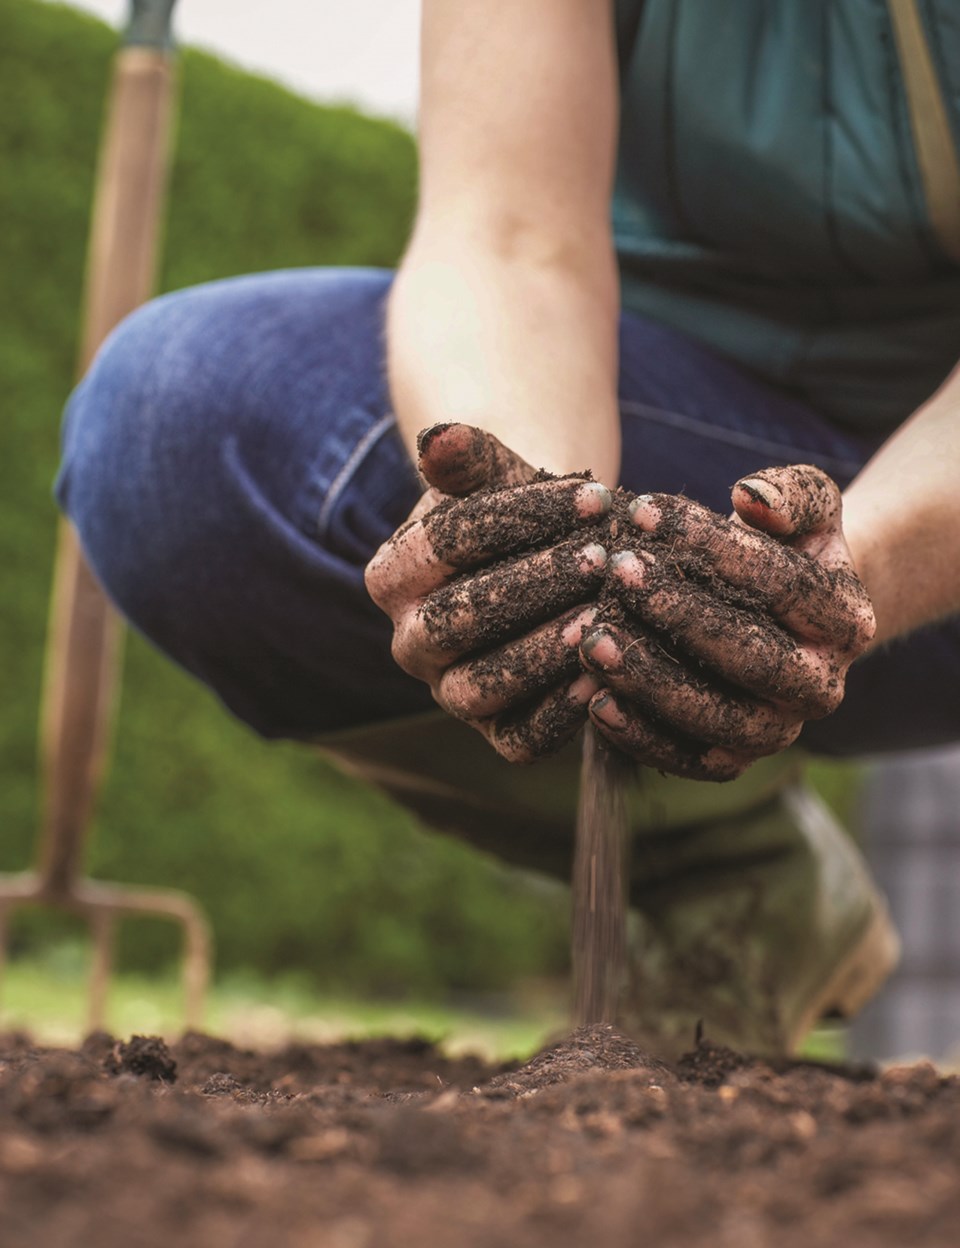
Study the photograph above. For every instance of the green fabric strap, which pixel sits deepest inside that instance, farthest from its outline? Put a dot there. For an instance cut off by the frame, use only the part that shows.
(932, 136)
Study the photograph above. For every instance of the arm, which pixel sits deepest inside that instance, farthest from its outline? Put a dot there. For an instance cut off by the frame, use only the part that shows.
(902, 518)
(504, 316)
(504, 312)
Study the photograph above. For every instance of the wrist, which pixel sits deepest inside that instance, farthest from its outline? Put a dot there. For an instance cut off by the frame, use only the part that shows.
(904, 555)
(870, 563)
(525, 351)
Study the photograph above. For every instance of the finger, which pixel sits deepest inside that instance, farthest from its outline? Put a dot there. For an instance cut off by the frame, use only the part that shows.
(518, 671)
(744, 647)
(639, 671)
(459, 459)
(789, 502)
(384, 574)
(804, 594)
(461, 534)
(469, 532)
(654, 746)
(479, 611)
(524, 736)
(803, 506)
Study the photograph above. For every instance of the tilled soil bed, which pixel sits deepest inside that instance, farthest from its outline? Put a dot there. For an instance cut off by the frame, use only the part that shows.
(386, 1143)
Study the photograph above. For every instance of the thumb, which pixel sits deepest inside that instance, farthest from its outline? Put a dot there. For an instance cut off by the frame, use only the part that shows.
(460, 459)
(799, 502)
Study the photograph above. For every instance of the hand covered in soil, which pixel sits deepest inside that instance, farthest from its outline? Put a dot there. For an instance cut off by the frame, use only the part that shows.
(490, 585)
(722, 637)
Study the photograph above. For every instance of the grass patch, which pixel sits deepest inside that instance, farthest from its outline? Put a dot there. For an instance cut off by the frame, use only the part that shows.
(47, 996)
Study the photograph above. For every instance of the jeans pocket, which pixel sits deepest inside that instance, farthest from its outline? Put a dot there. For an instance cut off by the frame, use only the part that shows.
(364, 488)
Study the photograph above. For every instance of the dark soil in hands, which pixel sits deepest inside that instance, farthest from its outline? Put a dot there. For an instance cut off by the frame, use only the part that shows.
(388, 1143)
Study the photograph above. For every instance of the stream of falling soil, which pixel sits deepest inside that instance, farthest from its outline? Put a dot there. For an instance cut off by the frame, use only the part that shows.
(599, 882)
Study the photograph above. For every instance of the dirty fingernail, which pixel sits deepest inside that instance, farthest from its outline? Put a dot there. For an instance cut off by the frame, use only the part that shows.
(606, 709)
(593, 499)
(761, 491)
(601, 648)
(591, 640)
(426, 436)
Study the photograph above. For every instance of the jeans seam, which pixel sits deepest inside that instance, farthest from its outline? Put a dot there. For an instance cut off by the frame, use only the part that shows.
(691, 424)
(350, 466)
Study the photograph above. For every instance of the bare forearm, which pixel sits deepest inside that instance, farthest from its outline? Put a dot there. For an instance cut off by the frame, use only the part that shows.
(902, 519)
(517, 338)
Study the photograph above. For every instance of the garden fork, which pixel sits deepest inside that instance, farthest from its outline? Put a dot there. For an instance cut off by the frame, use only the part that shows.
(85, 635)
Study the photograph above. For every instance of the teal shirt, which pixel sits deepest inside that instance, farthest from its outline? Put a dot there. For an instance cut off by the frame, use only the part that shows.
(769, 201)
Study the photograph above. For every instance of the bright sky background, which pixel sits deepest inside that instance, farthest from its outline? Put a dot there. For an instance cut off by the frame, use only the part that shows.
(362, 52)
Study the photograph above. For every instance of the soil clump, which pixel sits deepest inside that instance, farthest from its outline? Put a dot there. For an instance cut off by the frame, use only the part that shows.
(388, 1143)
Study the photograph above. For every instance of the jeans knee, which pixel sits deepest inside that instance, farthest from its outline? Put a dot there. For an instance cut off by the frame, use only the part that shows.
(229, 463)
(133, 454)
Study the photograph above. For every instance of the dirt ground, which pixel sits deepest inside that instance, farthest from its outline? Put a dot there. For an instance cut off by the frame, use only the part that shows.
(386, 1143)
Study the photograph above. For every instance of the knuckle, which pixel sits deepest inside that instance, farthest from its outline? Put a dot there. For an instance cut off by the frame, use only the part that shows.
(401, 649)
(813, 685)
(374, 576)
(407, 648)
(755, 735)
(785, 735)
(865, 625)
(834, 695)
(721, 767)
(456, 696)
(825, 700)
(854, 623)
(710, 539)
(772, 742)
(510, 748)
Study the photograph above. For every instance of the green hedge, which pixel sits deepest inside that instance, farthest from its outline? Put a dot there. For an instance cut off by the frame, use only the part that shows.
(298, 867)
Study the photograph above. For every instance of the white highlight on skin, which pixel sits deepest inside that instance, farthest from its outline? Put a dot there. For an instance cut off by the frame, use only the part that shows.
(644, 513)
(592, 557)
(628, 568)
(593, 499)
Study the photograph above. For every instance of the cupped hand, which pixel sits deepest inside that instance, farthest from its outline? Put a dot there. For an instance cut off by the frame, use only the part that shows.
(490, 585)
(727, 635)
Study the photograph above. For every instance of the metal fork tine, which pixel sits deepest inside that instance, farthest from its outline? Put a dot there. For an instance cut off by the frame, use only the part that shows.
(101, 928)
(101, 904)
(196, 967)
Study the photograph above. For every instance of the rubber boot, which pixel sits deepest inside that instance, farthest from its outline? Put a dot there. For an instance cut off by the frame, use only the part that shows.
(753, 911)
(755, 926)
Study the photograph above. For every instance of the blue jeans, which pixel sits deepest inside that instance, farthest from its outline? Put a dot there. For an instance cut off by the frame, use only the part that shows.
(231, 463)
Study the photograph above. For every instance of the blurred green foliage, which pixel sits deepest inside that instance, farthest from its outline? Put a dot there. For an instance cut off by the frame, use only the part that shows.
(298, 867)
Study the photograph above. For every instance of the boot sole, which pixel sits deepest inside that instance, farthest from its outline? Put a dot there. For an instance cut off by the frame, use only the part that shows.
(857, 978)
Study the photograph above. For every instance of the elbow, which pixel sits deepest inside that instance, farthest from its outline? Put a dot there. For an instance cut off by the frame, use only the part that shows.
(521, 241)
